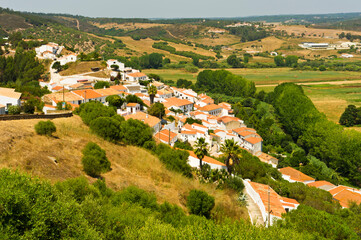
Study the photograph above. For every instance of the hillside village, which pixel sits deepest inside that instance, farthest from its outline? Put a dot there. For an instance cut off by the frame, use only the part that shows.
(213, 137)
(216, 124)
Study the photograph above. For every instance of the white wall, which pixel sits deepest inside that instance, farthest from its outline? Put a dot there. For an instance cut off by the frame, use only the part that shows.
(9, 101)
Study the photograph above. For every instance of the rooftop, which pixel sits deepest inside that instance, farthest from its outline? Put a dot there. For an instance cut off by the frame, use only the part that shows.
(119, 88)
(146, 118)
(165, 135)
(210, 107)
(207, 159)
(87, 93)
(10, 93)
(176, 102)
(254, 140)
(137, 74)
(295, 174)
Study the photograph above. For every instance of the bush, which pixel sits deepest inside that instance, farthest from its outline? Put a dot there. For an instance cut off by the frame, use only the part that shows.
(191, 69)
(45, 128)
(322, 68)
(94, 160)
(92, 110)
(136, 132)
(200, 203)
(107, 128)
(59, 106)
(235, 183)
(101, 84)
(29, 108)
(135, 195)
(13, 110)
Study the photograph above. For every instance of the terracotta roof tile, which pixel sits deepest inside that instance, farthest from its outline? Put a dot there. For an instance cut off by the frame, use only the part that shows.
(137, 74)
(207, 159)
(87, 93)
(318, 184)
(210, 107)
(147, 119)
(295, 174)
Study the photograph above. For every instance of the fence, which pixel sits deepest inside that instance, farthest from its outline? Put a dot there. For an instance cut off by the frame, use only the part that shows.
(34, 116)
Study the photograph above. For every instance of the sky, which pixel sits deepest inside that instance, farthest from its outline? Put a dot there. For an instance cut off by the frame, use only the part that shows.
(183, 8)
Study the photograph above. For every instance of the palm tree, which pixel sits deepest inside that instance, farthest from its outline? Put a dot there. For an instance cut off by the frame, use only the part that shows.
(152, 91)
(231, 150)
(201, 150)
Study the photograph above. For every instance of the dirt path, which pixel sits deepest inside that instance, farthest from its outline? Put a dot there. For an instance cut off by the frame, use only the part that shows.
(254, 211)
(316, 83)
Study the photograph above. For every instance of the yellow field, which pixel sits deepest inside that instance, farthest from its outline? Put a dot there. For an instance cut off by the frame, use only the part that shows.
(220, 39)
(267, 44)
(24, 150)
(128, 26)
(310, 32)
(145, 46)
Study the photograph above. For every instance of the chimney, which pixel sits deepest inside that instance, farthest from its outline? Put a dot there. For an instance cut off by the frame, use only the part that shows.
(146, 116)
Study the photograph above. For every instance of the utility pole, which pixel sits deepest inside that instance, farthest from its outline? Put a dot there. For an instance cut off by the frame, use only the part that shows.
(269, 206)
(63, 103)
(169, 136)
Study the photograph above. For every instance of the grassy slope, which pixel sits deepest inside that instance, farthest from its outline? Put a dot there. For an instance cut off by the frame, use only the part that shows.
(22, 149)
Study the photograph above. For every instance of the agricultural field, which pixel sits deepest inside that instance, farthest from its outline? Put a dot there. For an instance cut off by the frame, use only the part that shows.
(264, 78)
(80, 67)
(333, 99)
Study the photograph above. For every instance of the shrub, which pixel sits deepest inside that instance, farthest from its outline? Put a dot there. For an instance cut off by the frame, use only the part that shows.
(200, 203)
(45, 128)
(136, 132)
(235, 183)
(59, 106)
(107, 128)
(135, 195)
(29, 108)
(191, 69)
(94, 160)
(92, 110)
(322, 68)
(14, 110)
(101, 84)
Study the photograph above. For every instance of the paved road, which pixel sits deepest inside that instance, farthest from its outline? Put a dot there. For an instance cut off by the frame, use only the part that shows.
(254, 211)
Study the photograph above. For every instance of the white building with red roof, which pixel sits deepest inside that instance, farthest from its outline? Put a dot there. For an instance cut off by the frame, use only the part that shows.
(292, 175)
(193, 161)
(269, 202)
(178, 104)
(112, 62)
(166, 136)
(136, 77)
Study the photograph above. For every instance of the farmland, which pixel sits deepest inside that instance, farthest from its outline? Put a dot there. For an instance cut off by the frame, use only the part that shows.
(264, 77)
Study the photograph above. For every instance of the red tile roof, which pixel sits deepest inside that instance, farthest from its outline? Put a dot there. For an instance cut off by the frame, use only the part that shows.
(254, 140)
(207, 159)
(165, 135)
(295, 174)
(210, 107)
(137, 74)
(87, 93)
(176, 102)
(147, 119)
(318, 184)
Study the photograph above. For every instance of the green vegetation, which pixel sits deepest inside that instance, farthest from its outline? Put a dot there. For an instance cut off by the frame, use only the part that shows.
(45, 128)
(13, 110)
(314, 133)
(224, 82)
(94, 160)
(101, 84)
(63, 106)
(200, 203)
(351, 116)
(166, 47)
(157, 110)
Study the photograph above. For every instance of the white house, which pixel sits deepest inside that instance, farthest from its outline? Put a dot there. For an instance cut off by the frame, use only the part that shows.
(136, 77)
(211, 109)
(8, 97)
(49, 51)
(2, 109)
(111, 62)
(176, 103)
(193, 161)
(133, 108)
(68, 58)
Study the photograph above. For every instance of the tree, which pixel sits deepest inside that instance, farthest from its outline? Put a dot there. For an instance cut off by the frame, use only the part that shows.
(108, 128)
(92, 110)
(201, 150)
(45, 128)
(157, 110)
(291, 60)
(136, 132)
(94, 160)
(231, 150)
(342, 35)
(200, 203)
(114, 101)
(101, 84)
(152, 91)
(57, 66)
(114, 67)
(234, 61)
(155, 60)
(183, 83)
(322, 68)
(279, 61)
(348, 118)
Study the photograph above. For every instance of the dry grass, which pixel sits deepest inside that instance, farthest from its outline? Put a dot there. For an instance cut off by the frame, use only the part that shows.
(127, 26)
(266, 44)
(310, 32)
(100, 74)
(142, 46)
(331, 107)
(80, 67)
(22, 149)
(221, 39)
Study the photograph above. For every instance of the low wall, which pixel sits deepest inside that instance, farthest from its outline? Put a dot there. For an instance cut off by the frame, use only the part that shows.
(34, 116)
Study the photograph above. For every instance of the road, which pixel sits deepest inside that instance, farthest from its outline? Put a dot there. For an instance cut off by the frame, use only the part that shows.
(254, 211)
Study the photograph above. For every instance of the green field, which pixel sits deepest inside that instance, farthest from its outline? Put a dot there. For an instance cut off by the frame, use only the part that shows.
(269, 76)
